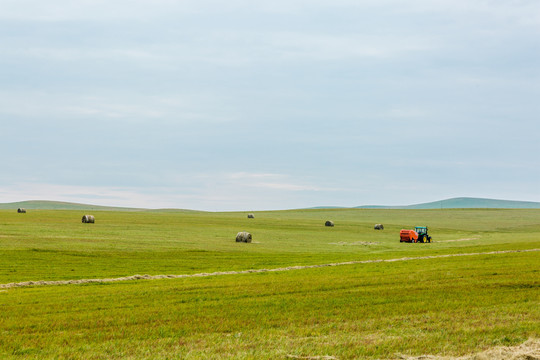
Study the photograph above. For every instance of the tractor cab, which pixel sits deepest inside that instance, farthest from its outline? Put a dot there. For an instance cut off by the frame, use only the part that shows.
(422, 232)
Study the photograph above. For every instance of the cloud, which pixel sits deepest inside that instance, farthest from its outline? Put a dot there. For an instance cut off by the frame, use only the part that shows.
(221, 105)
(179, 108)
(405, 112)
(67, 10)
(199, 191)
(147, 197)
(523, 11)
(320, 46)
(70, 54)
(112, 196)
(288, 186)
(252, 176)
(272, 182)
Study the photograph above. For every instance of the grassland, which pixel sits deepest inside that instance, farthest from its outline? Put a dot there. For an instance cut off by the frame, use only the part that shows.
(449, 306)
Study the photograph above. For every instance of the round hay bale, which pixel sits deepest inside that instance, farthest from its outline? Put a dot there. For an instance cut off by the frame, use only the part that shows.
(329, 223)
(88, 219)
(251, 216)
(243, 236)
(21, 211)
(378, 227)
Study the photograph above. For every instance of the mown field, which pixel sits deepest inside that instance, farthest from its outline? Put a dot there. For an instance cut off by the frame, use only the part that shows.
(444, 306)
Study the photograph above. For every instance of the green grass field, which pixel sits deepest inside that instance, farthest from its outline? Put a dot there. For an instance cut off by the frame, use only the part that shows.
(444, 306)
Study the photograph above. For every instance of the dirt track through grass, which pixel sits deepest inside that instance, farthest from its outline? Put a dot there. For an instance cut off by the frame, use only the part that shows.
(251, 271)
(466, 239)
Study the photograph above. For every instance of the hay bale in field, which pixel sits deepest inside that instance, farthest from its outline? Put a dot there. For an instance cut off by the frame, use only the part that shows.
(378, 227)
(243, 236)
(88, 219)
(329, 223)
(251, 216)
(21, 211)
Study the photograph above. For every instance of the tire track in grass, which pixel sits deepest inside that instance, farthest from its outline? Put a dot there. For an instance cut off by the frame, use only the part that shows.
(465, 239)
(251, 271)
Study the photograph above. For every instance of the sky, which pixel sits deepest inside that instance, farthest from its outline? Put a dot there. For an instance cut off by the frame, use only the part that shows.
(246, 105)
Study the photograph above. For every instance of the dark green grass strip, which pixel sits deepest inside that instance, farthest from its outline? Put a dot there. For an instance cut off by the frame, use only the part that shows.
(290, 268)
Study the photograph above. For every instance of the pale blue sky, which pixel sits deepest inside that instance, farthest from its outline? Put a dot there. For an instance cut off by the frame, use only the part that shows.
(242, 105)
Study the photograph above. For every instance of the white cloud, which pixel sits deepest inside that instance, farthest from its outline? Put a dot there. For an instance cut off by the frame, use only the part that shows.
(523, 11)
(288, 186)
(68, 10)
(70, 54)
(125, 106)
(252, 176)
(321, 46)
(405, 112)
(112, 196)
(272, 182)
(212, 196)
(327, 88)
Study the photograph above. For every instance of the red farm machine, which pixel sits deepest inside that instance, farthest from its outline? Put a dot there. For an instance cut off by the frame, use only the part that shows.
(419, 234)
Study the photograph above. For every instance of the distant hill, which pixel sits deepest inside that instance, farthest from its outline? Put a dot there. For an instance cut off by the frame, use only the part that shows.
(58, 205)
(464, 203)
(454, 203)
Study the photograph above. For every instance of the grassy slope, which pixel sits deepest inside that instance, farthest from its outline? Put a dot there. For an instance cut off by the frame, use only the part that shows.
(451, 305)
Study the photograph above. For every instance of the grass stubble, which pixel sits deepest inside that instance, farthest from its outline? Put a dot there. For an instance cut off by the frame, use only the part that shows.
(449, 306)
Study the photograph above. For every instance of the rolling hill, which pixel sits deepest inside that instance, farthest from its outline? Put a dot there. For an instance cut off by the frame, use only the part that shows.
(59, 205)
(465, 203)
(454, 203)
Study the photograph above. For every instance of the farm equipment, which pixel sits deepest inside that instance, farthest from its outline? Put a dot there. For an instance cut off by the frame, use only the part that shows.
(419, 234)
(423, 236)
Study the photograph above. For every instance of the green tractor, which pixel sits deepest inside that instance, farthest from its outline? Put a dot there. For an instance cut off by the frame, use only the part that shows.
(423, 236)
